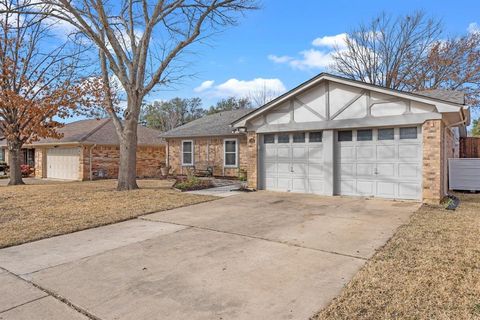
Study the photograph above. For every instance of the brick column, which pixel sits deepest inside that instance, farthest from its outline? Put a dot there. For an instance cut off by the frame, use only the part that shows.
(433, 171)
(252, 147)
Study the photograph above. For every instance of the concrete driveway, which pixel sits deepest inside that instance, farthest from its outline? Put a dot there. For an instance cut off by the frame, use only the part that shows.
(259, 255)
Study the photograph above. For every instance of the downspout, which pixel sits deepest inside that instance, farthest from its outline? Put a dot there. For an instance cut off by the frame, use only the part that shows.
(90, 161)
(445, 155)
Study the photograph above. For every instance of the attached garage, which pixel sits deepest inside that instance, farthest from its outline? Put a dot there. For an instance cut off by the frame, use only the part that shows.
(337, 136)
(384, 162)
(63, 163)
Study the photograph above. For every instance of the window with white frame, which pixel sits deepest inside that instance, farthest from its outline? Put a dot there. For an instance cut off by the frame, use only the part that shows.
(230, 148)
(187, 152)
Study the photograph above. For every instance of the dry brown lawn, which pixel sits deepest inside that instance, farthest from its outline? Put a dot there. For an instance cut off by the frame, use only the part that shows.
(430, 269)
(33, 212)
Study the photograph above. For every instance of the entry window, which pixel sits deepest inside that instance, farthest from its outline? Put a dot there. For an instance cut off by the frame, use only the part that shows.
(364, 135)
(283, 138)
(187, 153)
(345, 135)
(408, 133)
(230, 152)
(315, 136)
(2, 155)
(269, 138)
(299, 137)
(386, 134)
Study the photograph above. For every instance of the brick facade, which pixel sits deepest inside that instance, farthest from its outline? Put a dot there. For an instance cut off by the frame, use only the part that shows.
(252, 142)
(105, 161)
(208, 152)
(438, 147)
(40, 159)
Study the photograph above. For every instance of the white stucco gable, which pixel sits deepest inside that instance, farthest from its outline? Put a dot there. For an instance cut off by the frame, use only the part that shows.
(332, 102)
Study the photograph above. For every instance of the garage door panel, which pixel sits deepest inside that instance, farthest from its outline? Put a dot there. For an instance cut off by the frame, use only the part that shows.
(315, 185)
(382, 168)
(315, 170)
(385, 170)
(365, 152)
(283, 153)
(386, 189)
(270, 153)
(409, 151)
(299, 169)
(386, 152)
(63, 163)
(409, 190)
(315, 154)
(283, 183)
(409, 170)
(299, 185)
(365, 169)
(347, 153)
(270, 168)
(270, 183)
(299, 154)
(366, 187)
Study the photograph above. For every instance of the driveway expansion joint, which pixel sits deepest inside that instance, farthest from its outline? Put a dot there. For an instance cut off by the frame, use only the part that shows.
(255, 237)
(24, 303)
(51, 294)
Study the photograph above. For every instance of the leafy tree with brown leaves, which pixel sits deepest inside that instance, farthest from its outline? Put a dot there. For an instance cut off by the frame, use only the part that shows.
(37, 86)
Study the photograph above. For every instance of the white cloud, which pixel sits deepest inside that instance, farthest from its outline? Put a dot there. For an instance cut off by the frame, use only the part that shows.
(336, 41)
(473, 28)
(204, 86)
(314, 58)
(243, 88)
(279, 59)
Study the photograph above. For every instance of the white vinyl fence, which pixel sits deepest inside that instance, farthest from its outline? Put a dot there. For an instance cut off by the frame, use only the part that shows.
(464, 174)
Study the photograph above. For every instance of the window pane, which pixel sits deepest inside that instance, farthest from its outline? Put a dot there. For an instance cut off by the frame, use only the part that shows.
(408, 133)
(187, 146)
(344, 135)
(299, 137)
(187, 158)
(386, 134)
(230, 146)
(230, 159)
(269, 138)
(315, 136)
(283, 138)
(364, 135)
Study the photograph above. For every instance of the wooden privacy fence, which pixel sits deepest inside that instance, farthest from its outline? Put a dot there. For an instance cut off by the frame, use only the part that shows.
(470, 147)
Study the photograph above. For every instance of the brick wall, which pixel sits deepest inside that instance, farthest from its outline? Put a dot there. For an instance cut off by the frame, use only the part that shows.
(40, 155)
(208, 152)
(106, 159)
(437, 140)
(252, 142)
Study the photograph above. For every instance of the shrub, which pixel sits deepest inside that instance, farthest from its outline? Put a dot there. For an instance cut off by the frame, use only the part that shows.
(25, 169)
(192, 183)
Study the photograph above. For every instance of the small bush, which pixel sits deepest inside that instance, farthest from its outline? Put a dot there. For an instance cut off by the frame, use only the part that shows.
(25, 169)
(192, 183)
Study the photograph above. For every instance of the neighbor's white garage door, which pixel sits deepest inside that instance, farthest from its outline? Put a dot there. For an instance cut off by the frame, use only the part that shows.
(383, 162)
(292, 162)
(63, 163)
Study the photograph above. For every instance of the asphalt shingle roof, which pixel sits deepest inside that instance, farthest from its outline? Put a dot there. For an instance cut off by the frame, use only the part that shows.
(98, 131)
(445, 95)
(217, 124)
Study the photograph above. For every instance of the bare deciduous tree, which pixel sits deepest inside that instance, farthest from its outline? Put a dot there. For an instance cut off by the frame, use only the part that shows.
(410, 53)
(140, 41)
(38, 82)
(262, 95)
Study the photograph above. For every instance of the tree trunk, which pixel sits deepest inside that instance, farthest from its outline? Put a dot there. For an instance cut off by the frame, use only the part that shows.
(15, 161)
(127, 173)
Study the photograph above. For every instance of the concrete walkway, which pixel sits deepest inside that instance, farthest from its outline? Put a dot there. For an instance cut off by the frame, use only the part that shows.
(256, 255)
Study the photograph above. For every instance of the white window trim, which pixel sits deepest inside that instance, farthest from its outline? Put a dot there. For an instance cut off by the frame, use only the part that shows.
(193, 154)
(225, 152)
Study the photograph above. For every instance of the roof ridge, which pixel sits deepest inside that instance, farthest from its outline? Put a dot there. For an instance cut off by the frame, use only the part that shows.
(88, 135)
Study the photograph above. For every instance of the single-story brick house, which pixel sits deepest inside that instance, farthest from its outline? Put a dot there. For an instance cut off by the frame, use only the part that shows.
(89, 149)
(334, 136)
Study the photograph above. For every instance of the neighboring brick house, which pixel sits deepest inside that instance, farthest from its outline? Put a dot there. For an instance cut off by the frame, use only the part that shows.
(89, 149)
(336, 136)
(208, 144)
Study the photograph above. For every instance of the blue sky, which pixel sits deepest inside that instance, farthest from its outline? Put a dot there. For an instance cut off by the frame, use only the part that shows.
(276, 45)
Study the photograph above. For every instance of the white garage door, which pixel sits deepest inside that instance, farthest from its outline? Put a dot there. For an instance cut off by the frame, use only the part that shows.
(63, 163)
(292, 162)
(383, 162)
